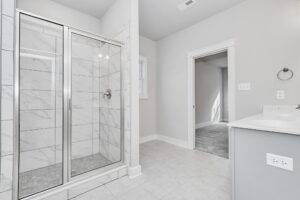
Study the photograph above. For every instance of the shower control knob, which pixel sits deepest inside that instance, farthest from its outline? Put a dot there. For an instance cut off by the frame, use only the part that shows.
(107, 94)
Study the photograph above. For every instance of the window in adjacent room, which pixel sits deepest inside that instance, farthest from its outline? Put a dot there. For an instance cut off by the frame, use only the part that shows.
(143, 90)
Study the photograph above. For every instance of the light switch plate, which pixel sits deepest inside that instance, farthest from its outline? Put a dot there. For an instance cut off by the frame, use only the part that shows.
(280, 162)
(244, 86)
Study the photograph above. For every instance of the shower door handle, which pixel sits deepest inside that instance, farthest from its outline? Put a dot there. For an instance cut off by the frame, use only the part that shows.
(107, 94)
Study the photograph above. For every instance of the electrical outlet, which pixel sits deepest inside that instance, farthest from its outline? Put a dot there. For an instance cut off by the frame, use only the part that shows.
(280, 162)
(244, 86)
(280, 94)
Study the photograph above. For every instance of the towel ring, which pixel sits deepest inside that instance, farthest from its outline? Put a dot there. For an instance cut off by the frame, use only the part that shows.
(285, 74)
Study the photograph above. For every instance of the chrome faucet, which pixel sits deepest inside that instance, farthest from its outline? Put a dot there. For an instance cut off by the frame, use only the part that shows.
(298, 108)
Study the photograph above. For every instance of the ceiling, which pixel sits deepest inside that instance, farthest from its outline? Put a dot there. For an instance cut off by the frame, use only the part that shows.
(160, 18)
(96, 8)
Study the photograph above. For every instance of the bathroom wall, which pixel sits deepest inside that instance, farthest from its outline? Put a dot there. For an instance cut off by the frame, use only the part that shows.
(266, 33)
(6, 154)
(148, 106)
(60, 13)
(208, 93)
(121, 23)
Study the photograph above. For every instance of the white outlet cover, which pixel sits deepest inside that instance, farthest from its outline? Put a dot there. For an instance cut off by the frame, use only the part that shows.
(244, 86)
(282, 162)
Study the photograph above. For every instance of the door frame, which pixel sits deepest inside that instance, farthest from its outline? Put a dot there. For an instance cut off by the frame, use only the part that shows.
(228, 46)
(68, 181)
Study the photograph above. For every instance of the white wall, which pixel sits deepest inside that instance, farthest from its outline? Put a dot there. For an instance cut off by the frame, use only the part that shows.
(208, 93)
(266, 33)
(62, 14)
(148, 49)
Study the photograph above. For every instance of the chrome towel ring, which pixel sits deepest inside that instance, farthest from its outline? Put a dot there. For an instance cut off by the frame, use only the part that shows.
(285, 74)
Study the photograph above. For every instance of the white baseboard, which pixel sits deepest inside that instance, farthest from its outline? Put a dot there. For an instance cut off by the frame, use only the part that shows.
(180, 143)
(148, 138)
(163, 138)
(134, 172)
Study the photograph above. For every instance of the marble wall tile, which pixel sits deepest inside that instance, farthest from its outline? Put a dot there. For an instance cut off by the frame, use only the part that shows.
(37, 119)
(37, 139)
(104, 132)
(82, 132)
(115, 137)
(114, 118)
(103, 102)
(6, 173)
(82, 67)
(82, 100)
(115, 81)
(7, 33)
(115, 63)
(7, 68)
(96, 84)
(35, 159)
(96, 145)
(96, 130)
(104, 70)
(82, 84)
(32, 100)
(104, 148)
(82, 116)
(115, 101)
(36, 80)
(114, 153)
(59, 136)
(83, 51)
(104, 84)
(7, 103)
(7, 137)
(82, 149)
(32, 39)
(30, 63)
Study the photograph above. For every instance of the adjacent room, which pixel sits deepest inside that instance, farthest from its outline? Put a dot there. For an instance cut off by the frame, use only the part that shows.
(150, 100)
(211, 104)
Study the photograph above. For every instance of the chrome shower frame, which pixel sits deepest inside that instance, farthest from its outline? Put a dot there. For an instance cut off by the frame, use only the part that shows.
(68, 181)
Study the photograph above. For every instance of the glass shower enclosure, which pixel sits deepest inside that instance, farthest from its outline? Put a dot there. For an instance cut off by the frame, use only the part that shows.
(68, 105)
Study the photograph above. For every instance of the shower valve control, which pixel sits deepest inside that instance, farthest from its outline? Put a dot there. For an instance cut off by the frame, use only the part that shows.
(107, 94)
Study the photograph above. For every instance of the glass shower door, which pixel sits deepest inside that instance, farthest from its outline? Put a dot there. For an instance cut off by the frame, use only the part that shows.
(40, 105)
(95, 102)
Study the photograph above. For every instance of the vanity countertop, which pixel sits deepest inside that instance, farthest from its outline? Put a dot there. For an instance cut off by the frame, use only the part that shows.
(279, 119)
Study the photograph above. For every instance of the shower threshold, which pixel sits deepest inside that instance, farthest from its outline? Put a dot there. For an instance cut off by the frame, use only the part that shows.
(38, 180)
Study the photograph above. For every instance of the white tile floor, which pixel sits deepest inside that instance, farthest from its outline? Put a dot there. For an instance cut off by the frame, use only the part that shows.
(169, 173)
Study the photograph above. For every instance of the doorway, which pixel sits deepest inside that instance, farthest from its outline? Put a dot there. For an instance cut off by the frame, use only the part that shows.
(211, 104)
(218, 112)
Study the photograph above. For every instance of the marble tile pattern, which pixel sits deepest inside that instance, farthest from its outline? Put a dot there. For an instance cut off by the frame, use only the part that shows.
(96, 121)
(41, 99)
(169, 173)
(6, 135)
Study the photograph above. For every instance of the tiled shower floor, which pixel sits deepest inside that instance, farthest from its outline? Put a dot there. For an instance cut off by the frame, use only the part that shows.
(44, 178)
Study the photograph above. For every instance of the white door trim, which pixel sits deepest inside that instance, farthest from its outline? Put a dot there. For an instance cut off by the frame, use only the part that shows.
(228, 46)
